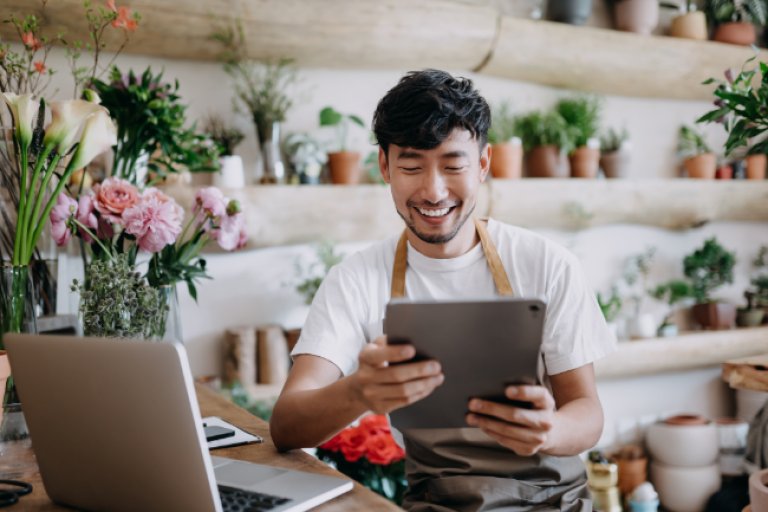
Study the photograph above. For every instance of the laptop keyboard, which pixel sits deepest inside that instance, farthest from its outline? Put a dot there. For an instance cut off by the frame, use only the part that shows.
(238, 500)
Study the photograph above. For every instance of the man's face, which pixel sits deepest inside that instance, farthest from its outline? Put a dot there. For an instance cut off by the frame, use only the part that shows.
(435, 190)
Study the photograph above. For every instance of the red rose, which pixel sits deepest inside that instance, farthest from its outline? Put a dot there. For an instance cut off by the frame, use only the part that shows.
(375, 424)
(332, 444)
(383, 450)
(353, 441)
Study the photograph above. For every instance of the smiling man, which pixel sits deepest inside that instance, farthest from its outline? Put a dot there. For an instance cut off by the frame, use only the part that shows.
(432, 132)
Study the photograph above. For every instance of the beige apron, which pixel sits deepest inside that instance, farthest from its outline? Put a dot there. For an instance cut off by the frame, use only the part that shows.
(464, 470)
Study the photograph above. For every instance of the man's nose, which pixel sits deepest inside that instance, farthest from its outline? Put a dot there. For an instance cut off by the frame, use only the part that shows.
(433, 187)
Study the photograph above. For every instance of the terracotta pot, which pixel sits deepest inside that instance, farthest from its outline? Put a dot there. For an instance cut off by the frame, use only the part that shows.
(632, 472)
(638, 16)
(724, 173)
(756, 167)
(616, 163)
(715, 315)
(736, 32)
(507, 160)
(702, 166)
(345, 167)
(692, 25)
(750, 317)
(574, 12)
(585, 162)
(686, 420)
(548, 162)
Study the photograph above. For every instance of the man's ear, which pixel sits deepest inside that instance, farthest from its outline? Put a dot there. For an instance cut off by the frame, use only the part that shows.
(485, 162)
(383, 165)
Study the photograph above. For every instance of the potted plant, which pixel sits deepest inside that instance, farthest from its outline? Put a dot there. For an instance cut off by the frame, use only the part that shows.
(573, 12)
(760, 282)
(708, 268)
(306, 156)
(752, 316)
(345, 165)
(506, 146)
(696, 155)
(232, 174)
(735, 18)
(582, 114)
(611, 309)
(672, 293)
(741, 109)
(615, 151)
(636, 272)
(724, 170)
(547, 140)
(692, 24)
(638, 16)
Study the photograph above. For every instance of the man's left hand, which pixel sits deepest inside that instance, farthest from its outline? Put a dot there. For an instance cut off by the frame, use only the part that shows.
(524, 431)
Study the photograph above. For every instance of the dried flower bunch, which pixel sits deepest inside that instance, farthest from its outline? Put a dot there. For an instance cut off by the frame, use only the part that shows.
(117, 303)
(228, 137)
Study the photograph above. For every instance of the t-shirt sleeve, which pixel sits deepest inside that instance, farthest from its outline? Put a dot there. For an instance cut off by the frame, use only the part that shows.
(334, 327)
(575, 332)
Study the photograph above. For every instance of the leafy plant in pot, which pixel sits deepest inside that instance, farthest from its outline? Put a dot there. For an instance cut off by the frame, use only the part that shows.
(345, 165)
(708, 268)
(506, 145)
(228, 138)
(611, 309)
(638, 16)
(547, 139)
(743, 112)
(698, 159)
(760, 282)
(582, 114)
(615, 149)
(692, 24)
(673, 293)
(735, 19)
(573, 12)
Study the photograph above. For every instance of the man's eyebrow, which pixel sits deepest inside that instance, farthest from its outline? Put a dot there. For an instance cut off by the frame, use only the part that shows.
(406, 153)
(459, 153)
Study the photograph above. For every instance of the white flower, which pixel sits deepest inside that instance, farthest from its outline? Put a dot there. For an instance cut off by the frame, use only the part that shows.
(24, 109)
(99, 136)
(67, 118)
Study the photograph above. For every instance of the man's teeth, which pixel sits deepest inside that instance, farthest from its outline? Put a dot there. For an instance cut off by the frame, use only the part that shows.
(434, 213)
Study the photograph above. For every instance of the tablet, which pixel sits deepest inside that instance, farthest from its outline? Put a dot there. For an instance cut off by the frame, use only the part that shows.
(482, 345)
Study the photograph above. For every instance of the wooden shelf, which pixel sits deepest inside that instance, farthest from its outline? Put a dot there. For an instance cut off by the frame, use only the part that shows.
(401, 34)
(688, 351)
(747, 373)
(287, 215)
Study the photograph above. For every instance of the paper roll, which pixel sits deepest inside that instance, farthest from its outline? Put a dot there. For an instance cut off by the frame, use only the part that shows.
(685, 489)
(683, 446)
(758, 491)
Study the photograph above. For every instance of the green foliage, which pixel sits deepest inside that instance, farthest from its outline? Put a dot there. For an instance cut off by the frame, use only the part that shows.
(672, 292)
(312, 277)
(750, 11)
(582, 114)
(541, 129)
(504, 124)
(330, 117)
(115, 301)
(611, 140)
(612, 307)
(691, 143)
(227, 137)
(708, 269)
(742, 109)
(173, 265)
(388, 481)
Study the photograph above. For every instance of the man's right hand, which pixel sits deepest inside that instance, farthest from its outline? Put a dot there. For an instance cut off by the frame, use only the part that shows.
(383, 387)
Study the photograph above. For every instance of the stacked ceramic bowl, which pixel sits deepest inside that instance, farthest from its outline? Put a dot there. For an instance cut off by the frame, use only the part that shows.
(684, 468)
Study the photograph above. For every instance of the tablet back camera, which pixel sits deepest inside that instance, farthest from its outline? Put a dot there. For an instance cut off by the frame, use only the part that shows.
(534, 308)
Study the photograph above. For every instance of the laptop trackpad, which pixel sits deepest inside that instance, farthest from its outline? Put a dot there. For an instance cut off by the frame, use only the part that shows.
(243, 474)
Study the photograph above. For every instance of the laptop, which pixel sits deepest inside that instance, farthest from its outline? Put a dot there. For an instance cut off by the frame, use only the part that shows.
(116, 427)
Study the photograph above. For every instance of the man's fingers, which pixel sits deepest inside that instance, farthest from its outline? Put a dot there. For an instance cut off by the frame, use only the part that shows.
(513, 432)
(407, 372)
(537, 419)
(376, 354)
(408, 389)
(539, 396)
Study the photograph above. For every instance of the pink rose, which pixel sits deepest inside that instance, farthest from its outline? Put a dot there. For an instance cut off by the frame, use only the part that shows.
(230, 232)
(211, 201)
(86, 217)
(113, 197)
(153, 192)
(154, 223)
(60, 215)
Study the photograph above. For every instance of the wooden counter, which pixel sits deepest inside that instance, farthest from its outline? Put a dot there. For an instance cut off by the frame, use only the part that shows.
(212, 404)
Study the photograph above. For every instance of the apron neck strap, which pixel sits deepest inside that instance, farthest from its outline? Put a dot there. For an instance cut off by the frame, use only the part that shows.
(491, 254)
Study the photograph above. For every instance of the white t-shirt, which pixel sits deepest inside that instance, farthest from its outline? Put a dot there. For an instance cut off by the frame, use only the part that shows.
(349, 307)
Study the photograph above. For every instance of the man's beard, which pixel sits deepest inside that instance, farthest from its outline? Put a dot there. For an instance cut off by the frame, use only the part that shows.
(437, 239)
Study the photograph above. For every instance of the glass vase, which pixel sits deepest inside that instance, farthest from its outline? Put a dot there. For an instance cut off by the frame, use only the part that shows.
(44, 266)
(17, 315)
(168, 326)
(269, 138)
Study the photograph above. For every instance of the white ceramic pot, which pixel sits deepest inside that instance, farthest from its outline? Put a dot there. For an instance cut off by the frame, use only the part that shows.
(683, 446)
(758, 492)
(232, 174)
(685, 489)
(642, 326)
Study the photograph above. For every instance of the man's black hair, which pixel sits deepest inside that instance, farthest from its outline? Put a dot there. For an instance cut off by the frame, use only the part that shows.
(422, 110)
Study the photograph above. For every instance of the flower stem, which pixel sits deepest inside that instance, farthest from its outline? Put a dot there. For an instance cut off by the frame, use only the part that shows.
(95, 238)
(54, 197)
(32, 215)
(20, 239)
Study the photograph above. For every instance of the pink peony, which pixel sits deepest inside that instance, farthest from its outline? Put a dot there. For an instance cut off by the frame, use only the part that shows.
(211, 201)
(154, 223)
(60, 215)
(243, 237)
(86, 217)
(113, 197)
(153, 192)
(230, 232)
